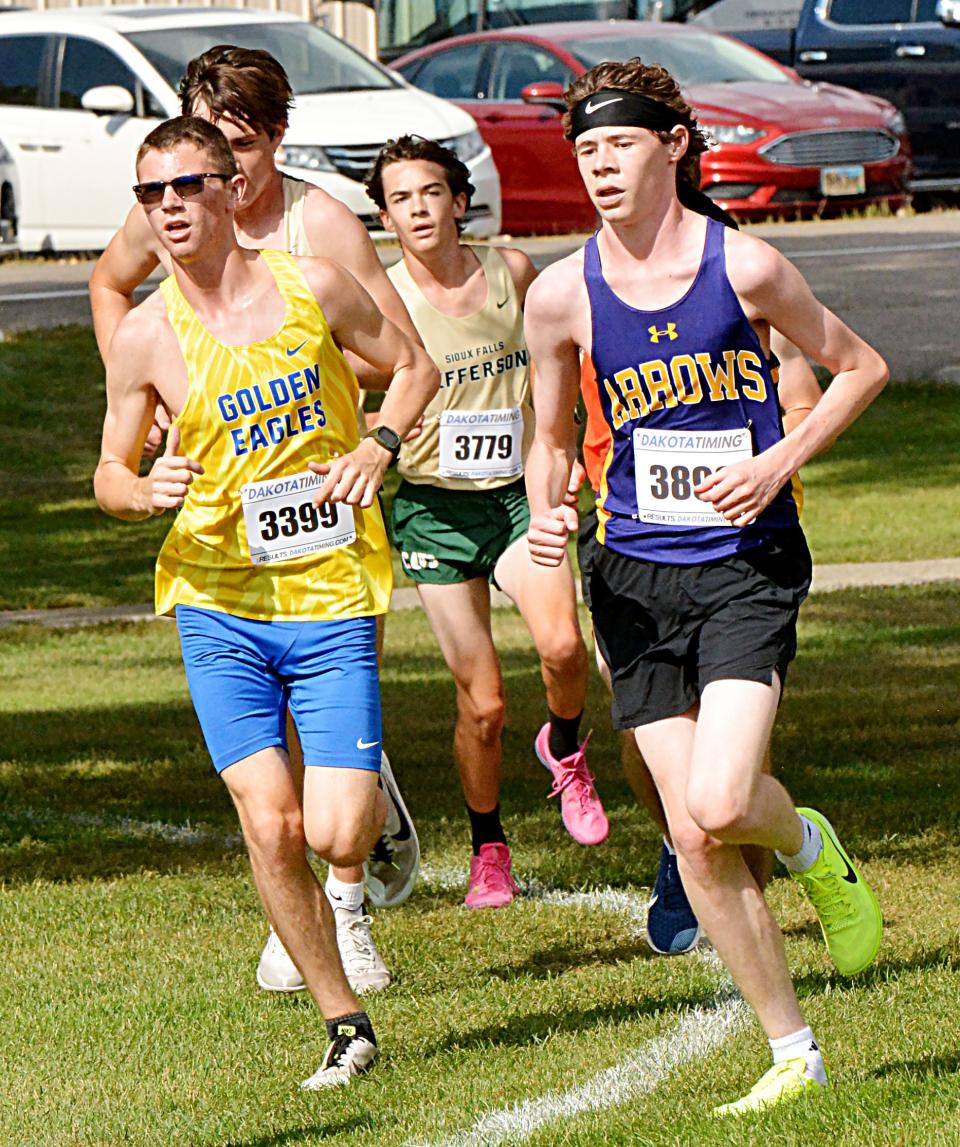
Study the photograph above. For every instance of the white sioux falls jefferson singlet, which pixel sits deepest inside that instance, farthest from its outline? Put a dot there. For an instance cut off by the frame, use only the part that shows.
(479, 426)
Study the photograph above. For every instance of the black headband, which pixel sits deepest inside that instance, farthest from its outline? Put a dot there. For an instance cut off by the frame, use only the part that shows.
(611, 107)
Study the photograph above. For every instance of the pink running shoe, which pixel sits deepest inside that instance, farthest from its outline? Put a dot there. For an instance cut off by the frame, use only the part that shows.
(491, 883)
(582, 811)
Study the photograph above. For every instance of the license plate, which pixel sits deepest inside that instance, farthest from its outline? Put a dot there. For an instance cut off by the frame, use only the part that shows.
(842, 181)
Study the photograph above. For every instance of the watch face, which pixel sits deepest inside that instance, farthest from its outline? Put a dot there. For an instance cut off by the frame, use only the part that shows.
(387, 437)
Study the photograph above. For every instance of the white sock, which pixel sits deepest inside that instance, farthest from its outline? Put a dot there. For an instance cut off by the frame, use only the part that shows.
(810, 850)
(342, 895)
(670, 848)
(801, 1045)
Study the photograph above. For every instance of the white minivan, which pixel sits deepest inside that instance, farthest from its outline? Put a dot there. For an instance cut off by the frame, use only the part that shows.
(80, 88)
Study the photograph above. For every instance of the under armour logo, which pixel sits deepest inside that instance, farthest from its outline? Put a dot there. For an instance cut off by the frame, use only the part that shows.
(670, 333)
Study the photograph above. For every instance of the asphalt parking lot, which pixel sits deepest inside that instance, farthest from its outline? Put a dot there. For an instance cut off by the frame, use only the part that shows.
(892, 280)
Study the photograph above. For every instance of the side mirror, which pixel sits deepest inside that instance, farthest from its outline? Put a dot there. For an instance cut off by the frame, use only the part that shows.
(548, 94)
(107, 99)
(948, 13)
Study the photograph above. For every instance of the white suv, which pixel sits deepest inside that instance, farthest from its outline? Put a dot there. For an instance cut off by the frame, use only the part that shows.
(80, 88)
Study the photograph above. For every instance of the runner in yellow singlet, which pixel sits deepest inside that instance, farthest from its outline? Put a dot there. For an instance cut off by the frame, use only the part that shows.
(247, 94)
(277, 564)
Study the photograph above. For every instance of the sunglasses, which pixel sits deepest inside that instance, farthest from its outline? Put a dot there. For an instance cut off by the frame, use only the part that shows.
(184, 186)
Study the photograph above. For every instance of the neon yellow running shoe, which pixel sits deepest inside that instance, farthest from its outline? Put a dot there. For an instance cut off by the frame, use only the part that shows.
(845, 904)
(784, 1081)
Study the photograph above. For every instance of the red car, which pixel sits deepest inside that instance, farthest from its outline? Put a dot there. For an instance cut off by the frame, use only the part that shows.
(784, 147)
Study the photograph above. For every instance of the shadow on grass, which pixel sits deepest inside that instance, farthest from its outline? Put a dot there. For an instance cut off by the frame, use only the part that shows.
(302, 1134)
(865, 741)
(931, 1065)
(550, 962)
(535, 1027)
(76, 554)
(96, 792)
(881, 972)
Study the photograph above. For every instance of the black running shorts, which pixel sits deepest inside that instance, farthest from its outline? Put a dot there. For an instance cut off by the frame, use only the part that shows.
(587, 547)
(667, 631)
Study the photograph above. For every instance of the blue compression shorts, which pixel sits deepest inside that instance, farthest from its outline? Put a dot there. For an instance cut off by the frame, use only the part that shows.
(243, 674)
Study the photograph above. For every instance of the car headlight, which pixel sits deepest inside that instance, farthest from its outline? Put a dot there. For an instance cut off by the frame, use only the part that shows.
(466, 146)
(305, 155)
(897, 124)
(732, 132)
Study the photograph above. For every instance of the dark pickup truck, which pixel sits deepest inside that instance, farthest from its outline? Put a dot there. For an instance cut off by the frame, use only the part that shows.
(907, 51)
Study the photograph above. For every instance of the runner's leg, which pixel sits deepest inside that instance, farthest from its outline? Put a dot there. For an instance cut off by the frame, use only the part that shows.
(459, 616)
(268, 804)
(704, 814)
(547, 600)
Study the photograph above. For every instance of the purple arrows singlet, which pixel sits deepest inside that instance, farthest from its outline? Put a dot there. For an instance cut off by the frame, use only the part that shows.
(685, 390)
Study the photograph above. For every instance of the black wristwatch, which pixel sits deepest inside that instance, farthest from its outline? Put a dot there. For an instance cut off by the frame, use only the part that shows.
(388, 439)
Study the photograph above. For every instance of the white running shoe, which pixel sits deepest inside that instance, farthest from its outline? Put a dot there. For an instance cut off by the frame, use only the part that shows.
(391, 869)
(362, 963)
(276, 972)
(348, 1055)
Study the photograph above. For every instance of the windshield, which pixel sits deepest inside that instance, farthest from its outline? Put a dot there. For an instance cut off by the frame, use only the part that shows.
(406, 24)
(693, 59)
(313, 60)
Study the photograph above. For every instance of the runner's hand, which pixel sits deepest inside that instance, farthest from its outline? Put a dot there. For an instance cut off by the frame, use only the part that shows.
(547, 534)
(578, 476)
(353, 478)
(161, 423)
(742, 491)
(171, 476)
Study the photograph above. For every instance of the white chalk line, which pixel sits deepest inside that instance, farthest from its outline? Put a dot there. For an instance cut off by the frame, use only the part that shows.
(699, 1031)
(181, 835)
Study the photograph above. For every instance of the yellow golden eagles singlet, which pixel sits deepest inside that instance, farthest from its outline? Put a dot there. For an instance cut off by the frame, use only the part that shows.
(253, 418)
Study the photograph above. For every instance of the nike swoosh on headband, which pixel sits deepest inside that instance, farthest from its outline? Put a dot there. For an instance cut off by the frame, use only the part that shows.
(590, 107)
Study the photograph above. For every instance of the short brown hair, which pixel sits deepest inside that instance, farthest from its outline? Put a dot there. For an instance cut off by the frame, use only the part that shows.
(204, 136)
(649, 80)
(246, 84)
(410, 147)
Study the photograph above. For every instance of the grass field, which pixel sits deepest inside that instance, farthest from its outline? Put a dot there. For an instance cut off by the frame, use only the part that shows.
(887, 490)
(131, 929)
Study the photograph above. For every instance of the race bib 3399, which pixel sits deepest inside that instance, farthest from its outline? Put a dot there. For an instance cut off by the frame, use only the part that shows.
(283, 523)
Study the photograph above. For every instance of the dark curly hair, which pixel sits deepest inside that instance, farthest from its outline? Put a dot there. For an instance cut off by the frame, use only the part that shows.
(649, 80)
(410, 147)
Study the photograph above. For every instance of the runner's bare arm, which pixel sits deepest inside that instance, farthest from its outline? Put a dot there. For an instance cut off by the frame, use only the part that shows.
(798, 389)
(334, 229)
(130, 257)
(773, 291)
(131, 399)
(359, 326)
(553, 348)
(522, 271)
